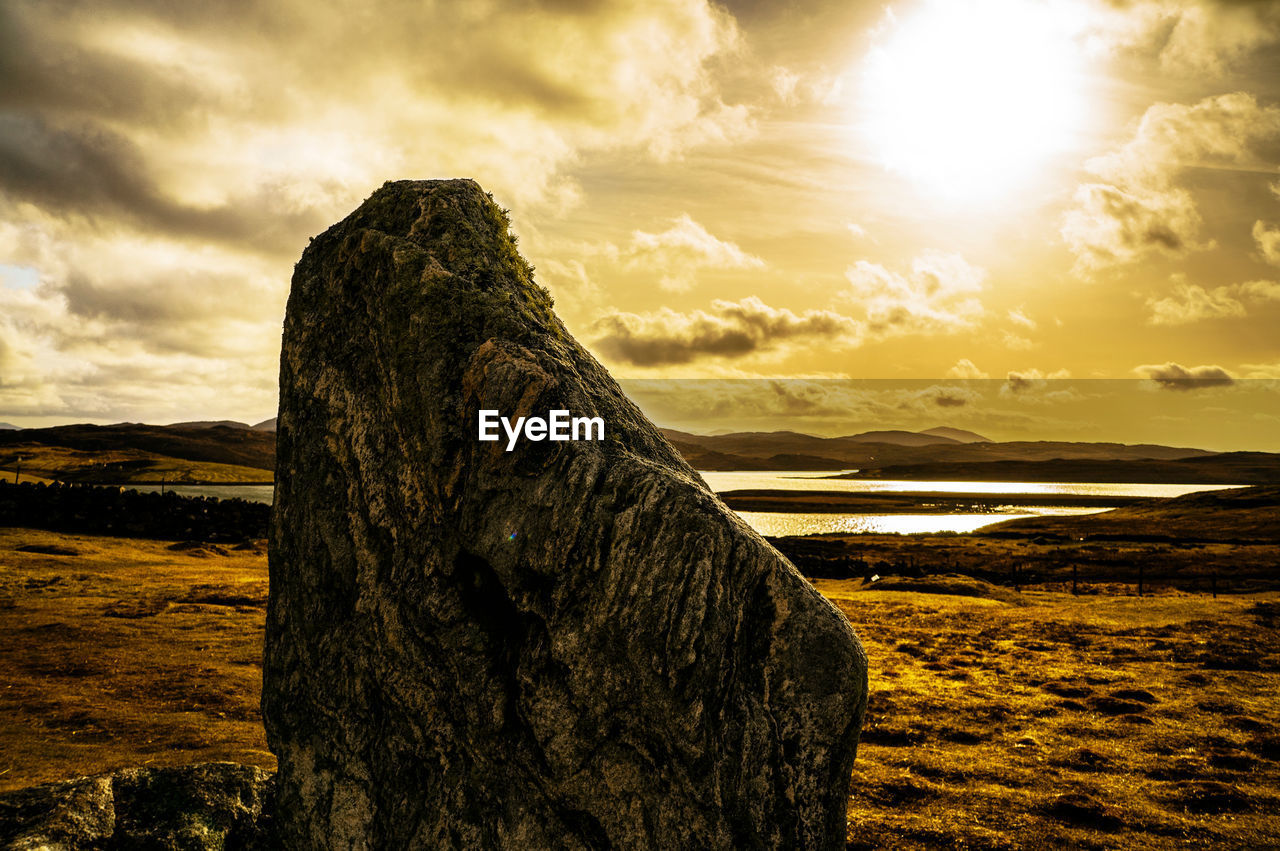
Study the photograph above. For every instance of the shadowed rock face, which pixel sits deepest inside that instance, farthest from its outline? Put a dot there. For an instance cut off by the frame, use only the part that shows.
(210, 806)
(568, 645)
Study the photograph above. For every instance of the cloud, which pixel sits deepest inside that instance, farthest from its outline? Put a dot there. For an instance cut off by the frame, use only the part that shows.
(763, 400)
(785, 83)
(1029, 381)
(729, 330)
(829, 406)
(126, 327)
(1112, 226)
(936, 295)
(1185, 37)
(1193, 303)
(94, 174)
(1016, 342)
(1268, 241)
(1019, 317)
(965, 368)
(1260, 290)
(1221, 131)
(677, 254)
(941, 397)
(568, 278)
(1267, 371)
(926, 400)
(794, 87)
(1174, 376)
(1136, 210)
(1034, 387)
(162, 165)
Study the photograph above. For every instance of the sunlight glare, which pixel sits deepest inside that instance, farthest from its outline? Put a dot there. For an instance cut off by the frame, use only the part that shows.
(969, 98)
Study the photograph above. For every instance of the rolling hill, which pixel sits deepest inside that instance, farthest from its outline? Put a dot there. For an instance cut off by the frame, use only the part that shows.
(957, 434)
(79, 446)
(1222, 515)
(231, 451)
(888, 449)
(1227, 468)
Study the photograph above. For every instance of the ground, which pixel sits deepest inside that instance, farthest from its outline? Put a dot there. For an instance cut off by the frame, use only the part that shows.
(996, 720)
(1081, 722)
(39, 463)
(123, 652)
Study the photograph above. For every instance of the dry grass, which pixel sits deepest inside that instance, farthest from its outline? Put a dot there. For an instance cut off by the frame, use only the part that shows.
(124, 653)
(14, 476)
(1083, 722)
(1094, 722)
(123, 466)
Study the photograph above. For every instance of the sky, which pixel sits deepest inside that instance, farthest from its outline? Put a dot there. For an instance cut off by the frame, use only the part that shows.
(1016, 191)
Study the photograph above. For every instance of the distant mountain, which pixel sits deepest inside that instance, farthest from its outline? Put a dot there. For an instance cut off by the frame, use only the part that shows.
(875, 450)
(900, 438)
(884, 454)
(1227, 468)
(220, 445)
(210, 424)
(9, 427)
(957, 434)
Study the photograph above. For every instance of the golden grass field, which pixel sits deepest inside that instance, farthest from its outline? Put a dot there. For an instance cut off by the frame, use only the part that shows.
(116, 467)
(1098, 721)
(127, 653)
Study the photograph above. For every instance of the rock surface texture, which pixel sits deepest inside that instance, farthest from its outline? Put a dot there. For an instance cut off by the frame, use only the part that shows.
(567, 645)
(194, 807)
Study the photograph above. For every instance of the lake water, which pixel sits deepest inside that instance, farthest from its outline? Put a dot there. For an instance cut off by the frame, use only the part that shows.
(793, 481)
(777, 524)
(780, 523)
(252, 493)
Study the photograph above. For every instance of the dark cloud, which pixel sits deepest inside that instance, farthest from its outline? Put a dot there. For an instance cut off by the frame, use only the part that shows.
(43, 71)
(89, 172)
(1016, 382)
(1034, 386)
(1174, 376)
(183, 296)
(730, 329)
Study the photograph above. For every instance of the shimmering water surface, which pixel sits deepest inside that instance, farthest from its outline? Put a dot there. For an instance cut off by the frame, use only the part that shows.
(252, 493)
(781, 523)
(777, 524)
(793, 481)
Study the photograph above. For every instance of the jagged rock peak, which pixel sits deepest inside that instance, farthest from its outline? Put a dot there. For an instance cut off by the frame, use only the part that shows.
(571, 644)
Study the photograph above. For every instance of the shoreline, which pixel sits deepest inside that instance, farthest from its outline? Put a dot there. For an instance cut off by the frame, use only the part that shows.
(908, 502)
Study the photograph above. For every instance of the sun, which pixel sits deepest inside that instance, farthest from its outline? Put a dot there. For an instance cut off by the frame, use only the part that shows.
(970, 98)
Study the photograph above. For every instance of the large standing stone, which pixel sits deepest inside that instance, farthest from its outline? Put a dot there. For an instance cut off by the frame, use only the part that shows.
(568, 645)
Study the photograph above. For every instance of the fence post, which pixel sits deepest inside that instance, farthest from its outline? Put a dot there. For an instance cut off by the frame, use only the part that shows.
(1214, 583)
